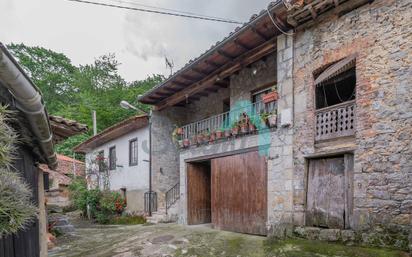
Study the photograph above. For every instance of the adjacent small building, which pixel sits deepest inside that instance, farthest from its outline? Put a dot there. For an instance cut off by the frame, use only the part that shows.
(117, 159)
(57, 181)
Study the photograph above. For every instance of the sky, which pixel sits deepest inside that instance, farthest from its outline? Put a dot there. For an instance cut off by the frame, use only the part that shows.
(141, 41)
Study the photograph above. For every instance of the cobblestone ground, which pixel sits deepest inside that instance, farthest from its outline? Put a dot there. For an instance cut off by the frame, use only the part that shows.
(195, 241)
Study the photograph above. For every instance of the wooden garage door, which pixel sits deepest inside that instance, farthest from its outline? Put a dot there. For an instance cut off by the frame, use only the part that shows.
(326, 193)
(239, 193)
(198, 195)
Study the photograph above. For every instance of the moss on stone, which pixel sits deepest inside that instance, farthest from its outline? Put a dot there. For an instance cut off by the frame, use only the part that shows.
(307, 248)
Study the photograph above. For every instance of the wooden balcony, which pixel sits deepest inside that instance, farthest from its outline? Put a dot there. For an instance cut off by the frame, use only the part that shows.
(224, 122)
(335, 121)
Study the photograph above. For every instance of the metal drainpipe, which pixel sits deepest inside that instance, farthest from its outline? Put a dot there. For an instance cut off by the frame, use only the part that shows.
(150, 163)
(30, 102)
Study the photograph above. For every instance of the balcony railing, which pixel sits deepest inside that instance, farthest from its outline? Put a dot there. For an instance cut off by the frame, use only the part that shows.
(225, 121)
(335, 121)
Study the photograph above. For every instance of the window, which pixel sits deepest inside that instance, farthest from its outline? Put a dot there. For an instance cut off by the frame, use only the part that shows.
(46, 181)
(133, 151)
(336, 83)
(257, 100)
(100, 161)
(112, 158)
(257, 96)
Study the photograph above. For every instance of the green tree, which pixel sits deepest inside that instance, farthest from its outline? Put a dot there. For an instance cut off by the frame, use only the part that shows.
(74, 92)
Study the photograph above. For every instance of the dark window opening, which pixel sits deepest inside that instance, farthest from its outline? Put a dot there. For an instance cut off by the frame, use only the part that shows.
(339, 89)
(100, 160)
(46, 181)
(133, 152)
(112, 158)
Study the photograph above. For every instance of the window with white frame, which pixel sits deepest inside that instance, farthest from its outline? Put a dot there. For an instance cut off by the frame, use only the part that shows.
(112, 158)
(133, 152)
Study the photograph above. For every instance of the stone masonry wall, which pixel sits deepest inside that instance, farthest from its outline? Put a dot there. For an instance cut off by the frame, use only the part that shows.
(165, 154)
(381, 35)
(246, 81)
(206, 106)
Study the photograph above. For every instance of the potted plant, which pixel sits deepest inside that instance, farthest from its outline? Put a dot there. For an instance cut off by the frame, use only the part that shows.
(199, 138)
(212, 137)
(206, 137)
(272, 118)
(252, 126)
(264, 119)
(176, 137)
(180, 131)
(271, 96)
(186, 142)
(228, 132)
(194, 140)
(235, 128)
(219, 133)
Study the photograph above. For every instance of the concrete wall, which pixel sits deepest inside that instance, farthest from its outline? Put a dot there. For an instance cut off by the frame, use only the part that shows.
(383, 167)
(134, 178)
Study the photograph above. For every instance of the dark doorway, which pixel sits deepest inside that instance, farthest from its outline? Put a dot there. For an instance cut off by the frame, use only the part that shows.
(199, 192)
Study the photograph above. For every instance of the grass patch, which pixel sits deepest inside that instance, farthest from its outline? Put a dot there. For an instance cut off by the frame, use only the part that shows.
(306, 248)
(127, 220)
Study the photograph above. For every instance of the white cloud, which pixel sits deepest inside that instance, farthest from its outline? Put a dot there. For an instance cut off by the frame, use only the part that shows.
(140, 40)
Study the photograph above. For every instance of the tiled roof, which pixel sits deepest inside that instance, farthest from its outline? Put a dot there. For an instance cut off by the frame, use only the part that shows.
(113, 132)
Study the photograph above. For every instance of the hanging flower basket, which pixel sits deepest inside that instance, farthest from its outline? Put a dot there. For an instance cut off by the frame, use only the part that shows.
(270, 97)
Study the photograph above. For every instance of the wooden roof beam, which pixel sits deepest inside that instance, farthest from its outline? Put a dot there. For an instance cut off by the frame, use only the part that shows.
(241, 45)
(223, 72)
(312, 12)
(226, 55)
(259, 34)
(198, 71)
(213, 64)
(188, 78)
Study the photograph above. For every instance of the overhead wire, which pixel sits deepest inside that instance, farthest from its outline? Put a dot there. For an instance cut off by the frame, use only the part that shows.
(167, 9)
(159, 12)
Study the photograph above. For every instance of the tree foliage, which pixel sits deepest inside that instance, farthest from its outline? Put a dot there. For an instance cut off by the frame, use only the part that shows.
(75, 91)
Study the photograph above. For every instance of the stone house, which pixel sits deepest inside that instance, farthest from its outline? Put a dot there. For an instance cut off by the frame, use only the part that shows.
(117, 159)
(57, 181)
(337, 163)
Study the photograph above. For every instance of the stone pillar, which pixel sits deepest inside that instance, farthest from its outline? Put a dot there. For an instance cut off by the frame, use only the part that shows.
(280, 161)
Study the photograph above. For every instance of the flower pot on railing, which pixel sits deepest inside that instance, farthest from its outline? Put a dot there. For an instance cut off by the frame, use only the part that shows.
(272, 120)
(186, 142)
(199, 138)
(179, 131)
(244, 128)
(194, 140)
(270, 97)
(252, 127)
(180, 143)
(235, 131)
(212, 137)
(228, 132)
(206, 138)
(219, 134)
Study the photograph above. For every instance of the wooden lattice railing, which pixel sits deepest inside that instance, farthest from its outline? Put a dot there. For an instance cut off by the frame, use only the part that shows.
(335, 121)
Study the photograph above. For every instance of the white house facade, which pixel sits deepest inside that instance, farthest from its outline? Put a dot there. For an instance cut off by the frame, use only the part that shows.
(124, 151)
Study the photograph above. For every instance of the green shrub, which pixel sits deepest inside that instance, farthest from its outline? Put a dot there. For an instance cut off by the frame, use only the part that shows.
(81, 197)
(103, 206)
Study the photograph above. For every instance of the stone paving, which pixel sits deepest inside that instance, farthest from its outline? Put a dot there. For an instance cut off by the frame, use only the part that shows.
(165, 240)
